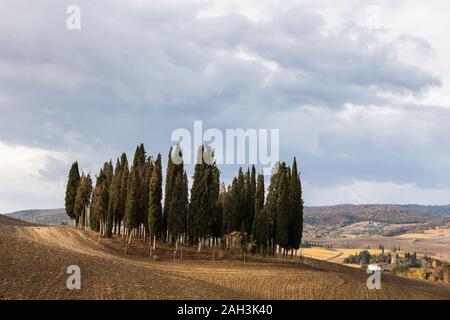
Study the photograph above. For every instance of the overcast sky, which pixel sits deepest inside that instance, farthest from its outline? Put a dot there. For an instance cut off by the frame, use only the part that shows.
(359, 90)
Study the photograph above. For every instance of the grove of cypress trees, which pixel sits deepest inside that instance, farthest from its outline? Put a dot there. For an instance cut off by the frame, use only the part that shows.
(133, 197)
(71, 190)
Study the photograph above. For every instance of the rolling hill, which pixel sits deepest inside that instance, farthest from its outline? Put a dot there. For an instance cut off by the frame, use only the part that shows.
(9, 221)
(342, 215)
(34, 260)
(48, 217)
(339, 215)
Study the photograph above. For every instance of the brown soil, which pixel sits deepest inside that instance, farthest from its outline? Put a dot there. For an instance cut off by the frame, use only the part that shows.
(34, 260)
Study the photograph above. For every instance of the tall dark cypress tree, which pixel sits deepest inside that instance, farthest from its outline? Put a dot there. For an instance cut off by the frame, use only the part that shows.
(141, 166)
(185, 196)
(108, 169)
(174, 171)
(71, 191)
(239, 204)
(234, 198)
(196, 206)
(134, 215)
(114, 199)
(123, 190)
(101, 198)
(283, 209)
(168, 190)
(216, 219)
(296, 212)
(130, 219)
(227, 207)
(250, 190)
(204, 197)
(145, 175)
(178, 208)
(272, 205)
(260, 223)
(79, 205)
(82, 200)
(155, 214)
(137, 194)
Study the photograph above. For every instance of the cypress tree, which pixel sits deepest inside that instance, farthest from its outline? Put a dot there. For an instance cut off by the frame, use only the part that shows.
(71, 190)
(196, 207)
(144, 189)
(178, 208)
(101, 198)
(234, 198)
(108, 169)
(283, 209)
(227, 207)
(139, 156)
(174, 171)
(216, 220)
(250, 189)
(239, 204)
(155, 218)
(83, 199)
(271, 205)
(260, 223)
(204, 197)
(185, 196)
(168, 189)
(114, 199)
(131, 216)
(79, 207)
(296, 212)
(141, 166)
(123, 190)
(135, 213)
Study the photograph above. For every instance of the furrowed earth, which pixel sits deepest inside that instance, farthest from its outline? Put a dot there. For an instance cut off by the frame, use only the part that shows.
(34, 261)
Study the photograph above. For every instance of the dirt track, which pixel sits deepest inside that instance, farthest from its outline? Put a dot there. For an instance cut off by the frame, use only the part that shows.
(34, 259)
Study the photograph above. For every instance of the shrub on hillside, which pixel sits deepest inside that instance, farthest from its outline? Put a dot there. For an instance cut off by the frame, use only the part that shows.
(399, 269)
(441, 274)
(423, 274)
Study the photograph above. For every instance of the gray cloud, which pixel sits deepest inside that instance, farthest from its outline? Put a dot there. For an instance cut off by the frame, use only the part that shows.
(136, 71)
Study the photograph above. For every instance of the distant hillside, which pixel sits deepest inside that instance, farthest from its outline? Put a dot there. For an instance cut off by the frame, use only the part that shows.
(49, 217)
(340, 215)
(385, 213)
